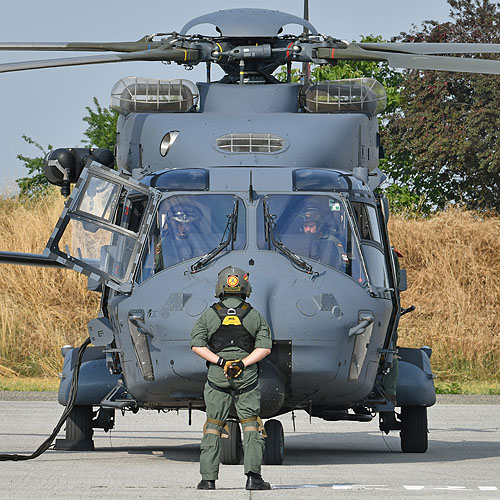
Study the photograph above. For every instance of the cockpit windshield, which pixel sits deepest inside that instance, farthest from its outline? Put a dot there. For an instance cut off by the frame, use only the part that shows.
(190, 226)
(315, 227)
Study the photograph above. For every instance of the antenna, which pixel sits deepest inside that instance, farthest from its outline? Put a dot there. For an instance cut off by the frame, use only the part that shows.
(306, 68)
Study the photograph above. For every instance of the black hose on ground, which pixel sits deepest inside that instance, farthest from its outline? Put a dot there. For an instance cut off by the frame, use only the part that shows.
(71, 403)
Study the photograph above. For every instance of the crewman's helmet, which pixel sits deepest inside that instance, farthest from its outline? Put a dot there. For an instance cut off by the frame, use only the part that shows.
(310, 217)
(184, 215)
(181, 219)
(232, 281)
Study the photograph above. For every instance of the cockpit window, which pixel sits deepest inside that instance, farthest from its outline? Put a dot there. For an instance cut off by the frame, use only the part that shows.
(366, 219)
(188, 227)
(315, 179)
(183, 179)
(100, 198)
(315, 227)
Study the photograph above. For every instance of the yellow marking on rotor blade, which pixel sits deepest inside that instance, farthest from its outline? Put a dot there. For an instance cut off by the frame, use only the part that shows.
(220, 50)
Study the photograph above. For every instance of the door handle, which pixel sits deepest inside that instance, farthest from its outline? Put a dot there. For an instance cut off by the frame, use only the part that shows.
(364, 322)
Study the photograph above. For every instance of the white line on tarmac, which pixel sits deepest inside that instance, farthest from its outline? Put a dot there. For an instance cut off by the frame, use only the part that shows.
(382, 487)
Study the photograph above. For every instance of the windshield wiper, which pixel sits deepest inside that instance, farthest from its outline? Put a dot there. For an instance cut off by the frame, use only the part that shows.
(270, 232)
(231, 230)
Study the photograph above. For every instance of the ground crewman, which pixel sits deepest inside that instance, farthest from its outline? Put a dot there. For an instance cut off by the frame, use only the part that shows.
(232, 337)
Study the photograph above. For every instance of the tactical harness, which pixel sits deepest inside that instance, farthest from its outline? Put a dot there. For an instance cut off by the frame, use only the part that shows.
(231, 332)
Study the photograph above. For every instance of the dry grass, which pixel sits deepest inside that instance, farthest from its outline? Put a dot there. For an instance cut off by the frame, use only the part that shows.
(40, 309)
(453, 263)
(36, 384)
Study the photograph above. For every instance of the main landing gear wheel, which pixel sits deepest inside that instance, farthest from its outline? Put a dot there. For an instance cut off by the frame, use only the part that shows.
(414, 429)
(275, 443)
(232, 448)
(79, 431)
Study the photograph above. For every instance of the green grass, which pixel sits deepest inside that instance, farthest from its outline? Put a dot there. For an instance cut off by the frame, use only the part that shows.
(29, 384)
(468, 387)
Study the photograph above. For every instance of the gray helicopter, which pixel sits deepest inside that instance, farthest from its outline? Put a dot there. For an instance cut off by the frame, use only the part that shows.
(280, 179)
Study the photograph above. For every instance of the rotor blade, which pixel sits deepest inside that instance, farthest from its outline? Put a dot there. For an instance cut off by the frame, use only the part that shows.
(434, 48)
(176, 55)
(143, 44)
(413, 61)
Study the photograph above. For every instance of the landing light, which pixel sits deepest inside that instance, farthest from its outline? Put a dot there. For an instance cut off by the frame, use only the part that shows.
(147, 95)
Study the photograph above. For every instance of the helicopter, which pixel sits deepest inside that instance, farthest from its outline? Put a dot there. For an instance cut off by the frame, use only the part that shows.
(247, 165)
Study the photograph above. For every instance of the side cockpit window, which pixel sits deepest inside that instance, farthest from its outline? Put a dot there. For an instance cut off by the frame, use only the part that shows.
(371, 242)
(366, 220)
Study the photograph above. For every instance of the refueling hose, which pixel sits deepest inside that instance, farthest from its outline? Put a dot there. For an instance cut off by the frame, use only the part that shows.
(71, 403)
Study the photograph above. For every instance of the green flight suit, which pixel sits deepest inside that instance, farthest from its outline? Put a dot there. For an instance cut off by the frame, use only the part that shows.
(218, 403)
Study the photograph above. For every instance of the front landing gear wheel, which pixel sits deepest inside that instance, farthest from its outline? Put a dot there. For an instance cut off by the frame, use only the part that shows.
(275, 443)
(414, 429)
(79, 430)
(232, 448)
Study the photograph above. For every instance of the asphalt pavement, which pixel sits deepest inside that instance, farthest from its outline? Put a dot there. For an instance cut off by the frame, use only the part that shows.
(155, 455)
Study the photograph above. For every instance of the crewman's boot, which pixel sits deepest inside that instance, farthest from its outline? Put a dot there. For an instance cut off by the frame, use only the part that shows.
(206, 484)
(255, 482)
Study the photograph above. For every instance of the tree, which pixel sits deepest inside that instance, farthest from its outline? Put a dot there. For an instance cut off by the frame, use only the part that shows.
(443, 141)
(35, 183)
(100, 133)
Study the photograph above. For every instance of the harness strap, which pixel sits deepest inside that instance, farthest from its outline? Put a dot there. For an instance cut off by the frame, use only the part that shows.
(233, 392)
(249, 428)
(214, 431)
(220, 423)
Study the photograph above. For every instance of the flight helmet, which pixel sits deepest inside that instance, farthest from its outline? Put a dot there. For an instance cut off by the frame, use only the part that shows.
(232, 281)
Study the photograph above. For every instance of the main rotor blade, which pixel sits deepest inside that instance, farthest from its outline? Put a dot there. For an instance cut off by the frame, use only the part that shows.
(176, 55)
(434, 48)
(143, 44)
(413, 61)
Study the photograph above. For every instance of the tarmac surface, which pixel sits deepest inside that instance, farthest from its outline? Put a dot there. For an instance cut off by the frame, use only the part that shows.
(155, 455)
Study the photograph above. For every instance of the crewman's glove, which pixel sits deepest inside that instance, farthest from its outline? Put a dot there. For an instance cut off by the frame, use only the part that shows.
(221, 362)
(234, 368)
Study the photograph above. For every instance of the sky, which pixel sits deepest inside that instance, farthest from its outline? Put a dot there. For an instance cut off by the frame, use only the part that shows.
(48, 104)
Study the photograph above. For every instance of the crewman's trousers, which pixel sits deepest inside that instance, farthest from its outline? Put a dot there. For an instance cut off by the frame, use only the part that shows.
(217, 407)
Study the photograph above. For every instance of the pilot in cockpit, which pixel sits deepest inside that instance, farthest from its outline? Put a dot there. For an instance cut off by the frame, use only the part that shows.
(179, 236)
(323, 234)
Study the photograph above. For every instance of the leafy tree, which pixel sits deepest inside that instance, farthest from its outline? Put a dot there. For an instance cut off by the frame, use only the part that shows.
(443, 141)
(35, 183)
(100, 133)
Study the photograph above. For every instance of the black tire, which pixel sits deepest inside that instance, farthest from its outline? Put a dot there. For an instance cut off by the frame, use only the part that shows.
(414, 429)
(275, 443)
(232, 448)
(79, 424)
